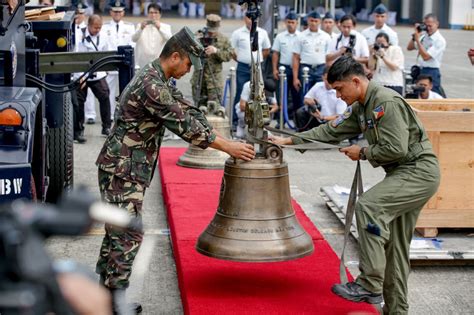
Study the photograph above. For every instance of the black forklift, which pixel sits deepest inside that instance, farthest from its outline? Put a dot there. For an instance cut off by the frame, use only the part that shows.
(36, 112)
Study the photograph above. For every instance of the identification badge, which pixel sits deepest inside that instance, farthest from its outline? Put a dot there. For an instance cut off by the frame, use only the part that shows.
(363, 125)
(370, 123)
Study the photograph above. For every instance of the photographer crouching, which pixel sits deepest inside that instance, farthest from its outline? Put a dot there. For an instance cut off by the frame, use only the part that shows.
(208, 82)
(321, 105)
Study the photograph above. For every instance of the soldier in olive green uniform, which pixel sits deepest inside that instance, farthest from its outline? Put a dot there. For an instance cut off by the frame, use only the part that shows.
(217, 50)
(149, 104)
(386, 214)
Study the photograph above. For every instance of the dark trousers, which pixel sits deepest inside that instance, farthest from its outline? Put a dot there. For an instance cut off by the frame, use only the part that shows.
(304, 120)
(436, 76)
(101, 92)
(315, 76)
(242, 76)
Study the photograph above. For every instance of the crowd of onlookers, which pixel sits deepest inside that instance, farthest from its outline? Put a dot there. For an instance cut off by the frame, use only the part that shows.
(310, 99)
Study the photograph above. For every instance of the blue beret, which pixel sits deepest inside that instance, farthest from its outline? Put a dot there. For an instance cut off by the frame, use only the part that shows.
(314, 15)
(380, 9)
(291, 16)
(328, 15)
(304, 21)
(339, 15)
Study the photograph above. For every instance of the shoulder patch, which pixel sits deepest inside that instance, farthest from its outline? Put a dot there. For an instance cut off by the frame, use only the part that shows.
(165, 96)
(336, 122)
(340, 119)
(348, 112)
(378, 112)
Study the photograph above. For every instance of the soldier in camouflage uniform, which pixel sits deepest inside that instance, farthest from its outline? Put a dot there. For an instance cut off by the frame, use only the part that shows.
(387, 213)
(149, 104)
(217, 50)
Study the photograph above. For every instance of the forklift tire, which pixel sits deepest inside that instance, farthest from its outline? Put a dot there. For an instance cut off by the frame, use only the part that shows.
(60, 151)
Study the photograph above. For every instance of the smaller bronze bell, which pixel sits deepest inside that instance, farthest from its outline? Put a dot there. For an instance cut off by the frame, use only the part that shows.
(195, 157)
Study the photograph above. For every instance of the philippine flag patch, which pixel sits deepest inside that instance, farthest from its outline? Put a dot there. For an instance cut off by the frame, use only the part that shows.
(378, 112)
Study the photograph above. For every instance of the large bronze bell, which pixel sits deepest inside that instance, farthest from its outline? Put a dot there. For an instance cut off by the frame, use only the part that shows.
(255, 220)
(195, 157)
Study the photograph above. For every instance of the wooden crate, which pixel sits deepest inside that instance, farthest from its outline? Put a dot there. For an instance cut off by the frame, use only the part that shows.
(450, 127)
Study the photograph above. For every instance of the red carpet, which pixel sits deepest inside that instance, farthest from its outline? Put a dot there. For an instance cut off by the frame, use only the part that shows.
(212, 286)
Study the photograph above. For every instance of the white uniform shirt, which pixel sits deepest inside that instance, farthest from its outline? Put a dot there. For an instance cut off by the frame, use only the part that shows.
(361, 49)
(94, 43)
(435, 46)
(330, 103)
(240, 41)
(150, 42)
(78, 33)
(370, 33)
(383, 74)
(284, 43)
(312, 47)
(121, 37)
(433, 96)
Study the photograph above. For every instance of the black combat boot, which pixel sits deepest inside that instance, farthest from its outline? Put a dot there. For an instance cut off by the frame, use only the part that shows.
(353, 291)
(120, 305)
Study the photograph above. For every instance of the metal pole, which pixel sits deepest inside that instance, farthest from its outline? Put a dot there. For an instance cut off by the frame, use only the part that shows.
(305, 79)
(231, 96)
(282, 76)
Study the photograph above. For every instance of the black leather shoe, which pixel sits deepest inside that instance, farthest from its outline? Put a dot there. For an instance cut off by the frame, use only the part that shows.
(355, 292)
(105, 131)
(90, 121)
(80, 138)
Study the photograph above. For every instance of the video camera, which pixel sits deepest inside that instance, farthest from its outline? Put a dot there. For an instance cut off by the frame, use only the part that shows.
(205, 37)
(253, 10)
(27, 278)
(421, 28)
(351, 44)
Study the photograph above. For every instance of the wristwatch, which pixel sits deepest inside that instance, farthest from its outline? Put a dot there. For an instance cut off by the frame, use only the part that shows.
(362, 155)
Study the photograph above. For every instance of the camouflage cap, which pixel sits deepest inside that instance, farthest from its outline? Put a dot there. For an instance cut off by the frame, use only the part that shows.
(188, 42)
(213, 22)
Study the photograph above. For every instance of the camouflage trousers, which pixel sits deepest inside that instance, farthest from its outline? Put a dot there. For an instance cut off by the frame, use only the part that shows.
(211, 87)
(119, 246)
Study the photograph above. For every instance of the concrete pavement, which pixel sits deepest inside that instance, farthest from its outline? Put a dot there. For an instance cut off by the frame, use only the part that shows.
(432, 290)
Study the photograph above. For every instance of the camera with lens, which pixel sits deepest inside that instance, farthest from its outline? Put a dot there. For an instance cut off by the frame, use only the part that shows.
(421, 28)
(413, 91)
(150, 22)
(205, 37)
(351, 44)
(315, 107)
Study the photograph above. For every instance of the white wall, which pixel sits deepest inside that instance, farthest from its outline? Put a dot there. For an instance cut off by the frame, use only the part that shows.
(461, 12)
